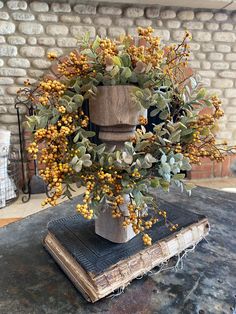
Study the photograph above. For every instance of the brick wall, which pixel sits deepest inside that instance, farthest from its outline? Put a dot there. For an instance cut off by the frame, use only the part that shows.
(30, 29)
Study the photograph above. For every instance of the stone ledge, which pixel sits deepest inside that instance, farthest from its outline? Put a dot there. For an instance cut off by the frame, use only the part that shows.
(200, 4)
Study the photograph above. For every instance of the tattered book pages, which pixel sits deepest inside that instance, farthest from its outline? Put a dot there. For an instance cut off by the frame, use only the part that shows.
(97, 267)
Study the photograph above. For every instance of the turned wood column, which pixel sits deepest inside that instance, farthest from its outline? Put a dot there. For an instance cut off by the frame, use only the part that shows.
(117, 115)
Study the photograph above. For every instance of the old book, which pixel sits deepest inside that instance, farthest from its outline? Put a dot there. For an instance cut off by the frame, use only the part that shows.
(98, 267)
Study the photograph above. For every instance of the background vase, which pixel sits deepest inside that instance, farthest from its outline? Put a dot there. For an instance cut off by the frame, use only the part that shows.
(7, 186)
(117, 116)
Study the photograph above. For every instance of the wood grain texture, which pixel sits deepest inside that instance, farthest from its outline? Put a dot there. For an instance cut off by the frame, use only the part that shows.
(114, 110)
(113, 105)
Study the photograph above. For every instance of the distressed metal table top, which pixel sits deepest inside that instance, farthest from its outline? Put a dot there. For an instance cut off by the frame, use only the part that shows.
(31, 282)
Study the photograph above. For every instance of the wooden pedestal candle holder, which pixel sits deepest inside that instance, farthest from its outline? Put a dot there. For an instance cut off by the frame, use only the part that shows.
(97, 266)
(116, 114)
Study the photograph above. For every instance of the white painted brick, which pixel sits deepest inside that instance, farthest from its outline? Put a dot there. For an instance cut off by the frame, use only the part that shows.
(215, 56)
(7, 118)
(67, 42)
(233, 102)
(116, 31)
(164, 34)
(109, 10)
(212, 26)
(16, 40)
(230, 57)
(85, 9)
(3, 40)
(12, 90)
(46, 41)
(41, 63)
(167, 14)
(195, 64)
(60, 7)
(6, 80)
(20, 80)
(39, 6)
(201, 56)
(7, 100)
(101, 31)
(202, 36)
(178, 35)
(12, 72)
(220, 17)
(7, 28)
(4, 16)
(87, 20)
(18, 63)
(17, 5)
(225, 135)
(206, 65)
(232, 118)
(208, 74)
(224, 101)
(82, 30)
(32, 52)
(104, 21)
(186, 15)
(224, 37)
(194, 46)
(159, 23)
(227, 27)
(30, 28)
(153, 12)
(228, 74)
(233, 65)
(134, 12)
(124, 21)
(206, 82)
(143, 22)
(173, 24)
(220, 65)
(35, 73)
(73, 19)
(22, 16)
(57, 30)
(230, 110)
(47, 17)
(223, 48)
(208, 47)
(32, 40)
(230, 93)
(193, 25)
(8, 50)
(3, 110)
(215, 91)
(1, 4)
(13, 128)
(1, 62)
(204, 16)
(222, 83)
(59, 52)
(233, 48)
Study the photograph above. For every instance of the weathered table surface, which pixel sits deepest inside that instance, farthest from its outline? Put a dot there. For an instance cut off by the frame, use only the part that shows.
(31, 282)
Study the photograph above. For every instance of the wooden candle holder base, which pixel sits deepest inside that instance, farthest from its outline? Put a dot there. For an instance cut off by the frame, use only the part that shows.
(97, 267)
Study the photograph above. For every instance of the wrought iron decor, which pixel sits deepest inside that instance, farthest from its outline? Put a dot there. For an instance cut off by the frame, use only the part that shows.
(23, 104)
